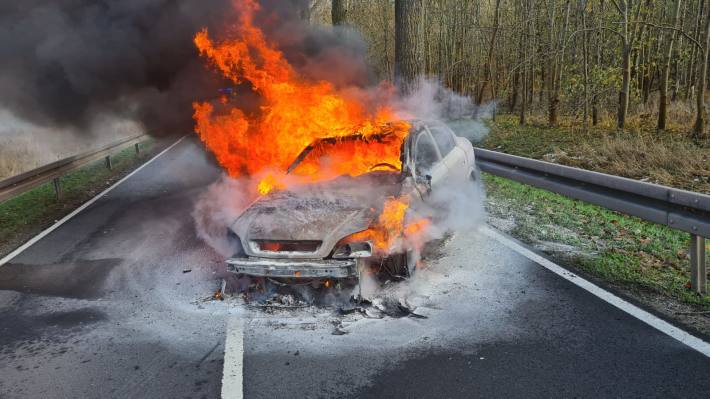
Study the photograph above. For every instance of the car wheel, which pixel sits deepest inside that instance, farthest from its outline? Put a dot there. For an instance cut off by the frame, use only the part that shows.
(401, 265)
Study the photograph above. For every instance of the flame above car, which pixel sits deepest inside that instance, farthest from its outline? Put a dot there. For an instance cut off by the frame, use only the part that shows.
(293, 112)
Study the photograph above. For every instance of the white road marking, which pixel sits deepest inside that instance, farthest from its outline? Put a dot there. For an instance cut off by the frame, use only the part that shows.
(232, 377)
(66, 218)
(646, 317)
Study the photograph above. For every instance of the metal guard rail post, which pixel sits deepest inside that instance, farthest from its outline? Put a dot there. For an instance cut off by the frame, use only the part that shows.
(678, 209)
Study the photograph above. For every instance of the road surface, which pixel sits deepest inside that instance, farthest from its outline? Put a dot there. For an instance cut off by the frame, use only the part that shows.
(104, 306)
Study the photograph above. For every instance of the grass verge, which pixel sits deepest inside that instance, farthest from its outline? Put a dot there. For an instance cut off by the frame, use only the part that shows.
(623, 250)
(31, 212)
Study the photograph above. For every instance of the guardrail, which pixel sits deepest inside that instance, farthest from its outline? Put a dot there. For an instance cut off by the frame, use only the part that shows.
(16, 185)
(678, 209)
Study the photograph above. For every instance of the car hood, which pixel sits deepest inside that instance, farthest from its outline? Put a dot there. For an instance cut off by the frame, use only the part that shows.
(324, 212)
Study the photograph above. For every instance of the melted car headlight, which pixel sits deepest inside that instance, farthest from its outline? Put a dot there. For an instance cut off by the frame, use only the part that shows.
(360, 249)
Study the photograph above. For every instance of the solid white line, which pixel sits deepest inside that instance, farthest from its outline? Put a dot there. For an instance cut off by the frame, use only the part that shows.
(232, 378)
(653, 321)
(66, 218)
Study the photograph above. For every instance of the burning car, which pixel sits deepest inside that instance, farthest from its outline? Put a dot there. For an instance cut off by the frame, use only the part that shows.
(335, 228)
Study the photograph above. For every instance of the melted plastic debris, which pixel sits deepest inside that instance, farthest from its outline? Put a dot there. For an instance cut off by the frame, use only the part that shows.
(380, 307)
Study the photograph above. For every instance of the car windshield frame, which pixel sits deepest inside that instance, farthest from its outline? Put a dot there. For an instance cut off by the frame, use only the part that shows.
(335, 140)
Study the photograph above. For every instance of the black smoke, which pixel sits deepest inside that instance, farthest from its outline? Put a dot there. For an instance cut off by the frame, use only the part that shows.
(337, 54)
(62, 62)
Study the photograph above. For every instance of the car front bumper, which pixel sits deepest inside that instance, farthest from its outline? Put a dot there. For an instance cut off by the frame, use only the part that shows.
(293, 268)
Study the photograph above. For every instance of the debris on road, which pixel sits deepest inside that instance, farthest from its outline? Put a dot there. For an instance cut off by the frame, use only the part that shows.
(187, 271)
(281, 301)
(378, 308)
(339, 330)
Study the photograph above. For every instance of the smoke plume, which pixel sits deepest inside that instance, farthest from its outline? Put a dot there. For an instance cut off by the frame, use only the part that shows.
(64, 62)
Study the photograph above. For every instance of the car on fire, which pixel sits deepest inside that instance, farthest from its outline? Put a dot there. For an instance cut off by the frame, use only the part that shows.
(305, 233)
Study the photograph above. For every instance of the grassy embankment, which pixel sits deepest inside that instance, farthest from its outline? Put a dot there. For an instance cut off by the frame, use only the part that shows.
(622, 250)
(27, 214)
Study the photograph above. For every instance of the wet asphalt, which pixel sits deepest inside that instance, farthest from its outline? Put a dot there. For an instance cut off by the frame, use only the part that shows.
(116, 303)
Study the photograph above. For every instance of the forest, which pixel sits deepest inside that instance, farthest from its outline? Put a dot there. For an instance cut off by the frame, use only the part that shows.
(613, 63)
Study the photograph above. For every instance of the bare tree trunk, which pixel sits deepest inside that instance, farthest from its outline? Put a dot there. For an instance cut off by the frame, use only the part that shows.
(699, 127)
(524, 40)
(598, 63)
(676, 57)
(552, 72)
(408, 60)
(514, 93)
(338, 12)
(692, 65)
(663, 100)
(557, 64)
(642, 54)
(645, 72)
(625, 86)
(625, 67)
(489, 63)
(585, 57)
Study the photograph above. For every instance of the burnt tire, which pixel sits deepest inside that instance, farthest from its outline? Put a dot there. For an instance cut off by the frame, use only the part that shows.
(401, 265)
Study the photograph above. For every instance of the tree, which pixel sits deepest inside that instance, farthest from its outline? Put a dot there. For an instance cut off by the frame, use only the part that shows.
(585, 60)
(699, 126)
(408, 59)
(488, 68)
(582, 59)
(555, 61)
(625, 9)
(338, 12)
(663, 99)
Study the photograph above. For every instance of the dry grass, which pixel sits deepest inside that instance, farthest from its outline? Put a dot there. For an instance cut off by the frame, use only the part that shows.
(18, 155)
(668, 162)
(24, 146)
(22, 153)
(668, 158)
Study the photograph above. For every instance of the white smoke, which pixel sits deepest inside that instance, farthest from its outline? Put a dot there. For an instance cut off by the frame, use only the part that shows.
(455, 207)
(218, 208)
(432, 101)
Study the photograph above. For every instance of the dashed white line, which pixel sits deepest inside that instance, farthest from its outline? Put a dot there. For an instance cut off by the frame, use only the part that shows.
(88, 203)
(646, 317)
(232, 377)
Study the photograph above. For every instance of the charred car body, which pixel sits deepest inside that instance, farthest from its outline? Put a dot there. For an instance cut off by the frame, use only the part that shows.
(303, 232)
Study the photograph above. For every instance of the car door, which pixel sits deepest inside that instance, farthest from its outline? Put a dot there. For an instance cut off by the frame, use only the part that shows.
(452, 156)
(427, 160)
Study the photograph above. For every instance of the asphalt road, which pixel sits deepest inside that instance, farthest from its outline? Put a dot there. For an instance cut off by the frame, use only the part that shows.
(102, 307)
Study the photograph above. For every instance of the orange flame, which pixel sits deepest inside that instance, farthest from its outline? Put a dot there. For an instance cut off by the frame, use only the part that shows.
(293, 113)
(389, 233)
